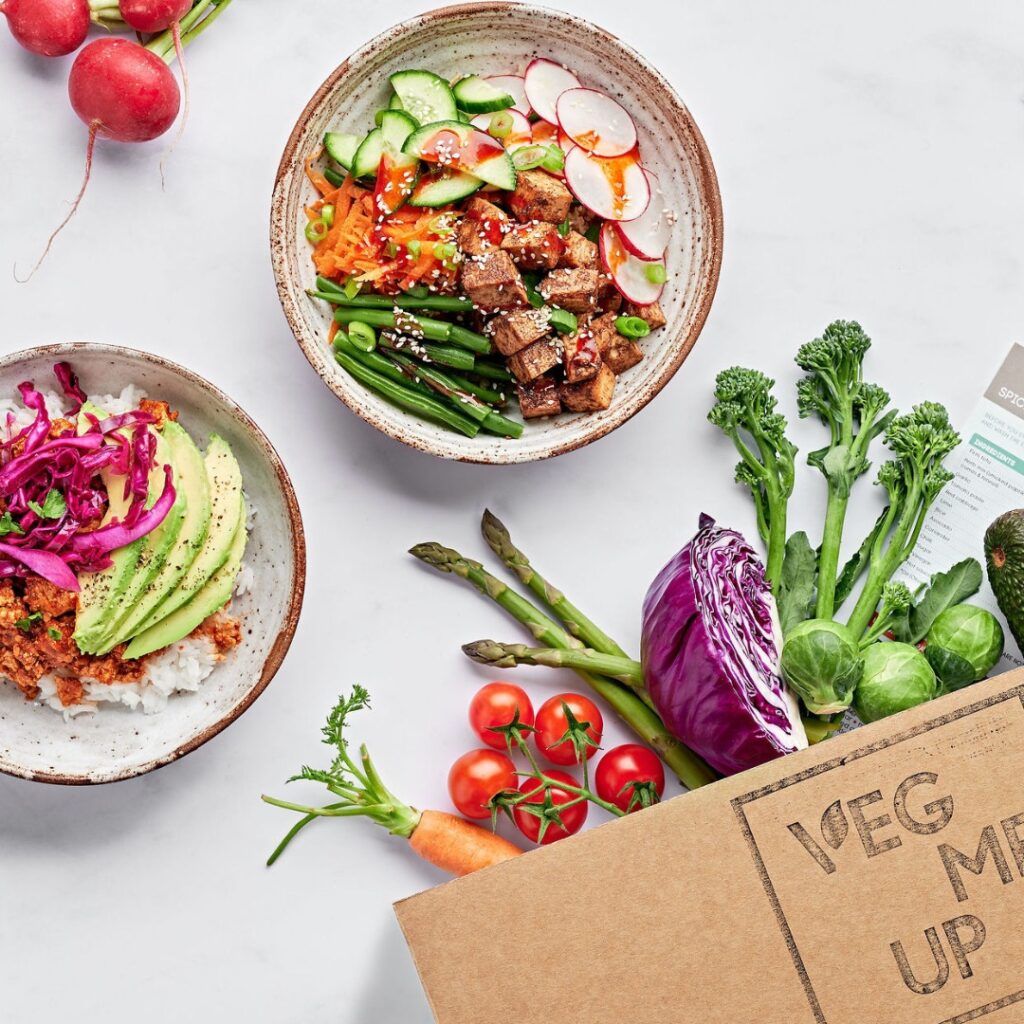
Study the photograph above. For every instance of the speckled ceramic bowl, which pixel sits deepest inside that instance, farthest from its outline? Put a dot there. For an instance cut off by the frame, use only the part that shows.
(115, 743)
(495, 38)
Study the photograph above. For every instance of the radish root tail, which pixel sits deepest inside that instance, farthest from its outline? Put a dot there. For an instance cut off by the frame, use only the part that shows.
(179, 51)
(94, 127)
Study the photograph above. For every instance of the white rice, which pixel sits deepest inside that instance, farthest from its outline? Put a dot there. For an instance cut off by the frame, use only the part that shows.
(182, 667)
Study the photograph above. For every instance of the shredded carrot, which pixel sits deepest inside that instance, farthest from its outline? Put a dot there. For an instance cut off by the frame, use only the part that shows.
(320, 183)
(332, 331)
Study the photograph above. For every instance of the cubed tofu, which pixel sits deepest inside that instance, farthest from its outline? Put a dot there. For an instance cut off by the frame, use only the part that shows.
(653, 314)
(579, 251)
(493, 282)
(580, 218)
(618, 353)
(512, 332)
(581, 356)
(539, 196)
(529, 363)
(574, 289)
(539, 398)
(481, 228)
(590, 395)
(534, 246)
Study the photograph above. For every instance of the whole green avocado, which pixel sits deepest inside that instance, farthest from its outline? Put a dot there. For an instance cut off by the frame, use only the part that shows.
(1004, 558)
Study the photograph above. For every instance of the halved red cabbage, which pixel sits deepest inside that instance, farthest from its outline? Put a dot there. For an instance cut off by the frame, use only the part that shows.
(710, 650)
(42, 458)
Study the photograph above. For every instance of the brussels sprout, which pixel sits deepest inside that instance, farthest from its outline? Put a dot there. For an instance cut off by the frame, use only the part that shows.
(821, 662)
(964, 644)
(896, 677)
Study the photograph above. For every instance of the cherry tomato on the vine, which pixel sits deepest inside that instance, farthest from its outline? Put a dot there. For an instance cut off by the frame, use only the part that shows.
(621, 767)
(552, 724)
(476, 777)
(572, 818)
(495, 704)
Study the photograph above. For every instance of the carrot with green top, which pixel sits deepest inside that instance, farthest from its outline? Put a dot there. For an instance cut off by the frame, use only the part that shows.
(450, 843)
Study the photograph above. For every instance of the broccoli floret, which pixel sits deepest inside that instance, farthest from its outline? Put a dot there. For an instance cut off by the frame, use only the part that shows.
(745, 411)
(835, 391)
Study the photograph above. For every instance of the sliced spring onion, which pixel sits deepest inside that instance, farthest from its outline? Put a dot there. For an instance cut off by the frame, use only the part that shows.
(501, 125)
(656, 273)
(562, 320)
(554, 159)
(316, 231)
(413, 248)
(444, 250)
(526, 158)
(632, 327)
(565, 227)
(351, 288)
(327, 215)
(363, 336)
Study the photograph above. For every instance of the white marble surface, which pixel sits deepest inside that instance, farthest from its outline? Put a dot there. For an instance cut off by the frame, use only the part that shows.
(871, 162)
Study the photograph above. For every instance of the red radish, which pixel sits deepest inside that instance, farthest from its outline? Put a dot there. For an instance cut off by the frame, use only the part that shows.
(596, 122)
(647, 237)
(521, 131)
(149, 16)
(545, 82)
(640, 281)
(614, 188)
(51, 28)
(515, 86)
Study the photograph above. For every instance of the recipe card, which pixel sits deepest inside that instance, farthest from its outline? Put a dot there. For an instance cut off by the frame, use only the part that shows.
(989, 480)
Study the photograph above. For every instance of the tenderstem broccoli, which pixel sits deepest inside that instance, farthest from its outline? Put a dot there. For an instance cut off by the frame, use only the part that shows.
(855, 413)
(745, 409)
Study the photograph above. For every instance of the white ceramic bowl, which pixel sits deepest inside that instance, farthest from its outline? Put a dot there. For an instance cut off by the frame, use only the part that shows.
(116, 743)
(493, 38)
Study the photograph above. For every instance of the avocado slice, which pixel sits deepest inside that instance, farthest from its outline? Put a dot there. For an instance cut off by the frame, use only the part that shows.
(191, 481)
(214, 595)
(225, 481)
(1004, 558)
(103, 590)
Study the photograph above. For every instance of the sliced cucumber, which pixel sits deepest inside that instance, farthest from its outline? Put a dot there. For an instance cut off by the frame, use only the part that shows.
(424, 95)
(341, 148)
(395, 102)
(476, 96)
(396, 127)
(465, 118)
(442, 188)
(479, 155)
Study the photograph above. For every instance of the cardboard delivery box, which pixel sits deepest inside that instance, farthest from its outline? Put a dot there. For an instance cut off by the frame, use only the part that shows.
(875, 878)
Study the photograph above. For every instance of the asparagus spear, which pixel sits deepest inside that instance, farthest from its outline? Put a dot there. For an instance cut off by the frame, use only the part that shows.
(490, 652)
(692, 771)
(500, 542)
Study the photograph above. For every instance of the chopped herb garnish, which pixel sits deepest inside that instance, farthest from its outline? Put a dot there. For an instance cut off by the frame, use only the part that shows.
(25, 624)
(55, 634)
(8, 525)
(53, 507)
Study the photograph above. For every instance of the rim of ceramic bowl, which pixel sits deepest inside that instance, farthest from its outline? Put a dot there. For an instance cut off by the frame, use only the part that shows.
(282, 641)
(680, 119)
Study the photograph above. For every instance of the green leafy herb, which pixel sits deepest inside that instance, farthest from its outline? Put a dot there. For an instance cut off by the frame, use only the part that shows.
(795, 597)
(53, 507)
(8, 525)
(25, 624)
(55, 634)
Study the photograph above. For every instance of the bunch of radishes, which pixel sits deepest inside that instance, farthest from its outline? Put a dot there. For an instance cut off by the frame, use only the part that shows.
(121, 88)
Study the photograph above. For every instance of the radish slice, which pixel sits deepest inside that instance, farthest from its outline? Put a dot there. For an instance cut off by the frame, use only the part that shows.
(614, 188)
(522, 132)
(647, 237)
(515, 86)
(632, 276)
(545, 82)
(596, 122)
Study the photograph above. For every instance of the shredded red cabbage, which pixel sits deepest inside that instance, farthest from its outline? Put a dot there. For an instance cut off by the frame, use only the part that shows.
(53, 498)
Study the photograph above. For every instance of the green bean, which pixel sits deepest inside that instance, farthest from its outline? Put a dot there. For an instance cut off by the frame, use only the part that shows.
(488, 395)
(380, 363)
(405, 398)
(443, 385)
(491, 371)
(444, 355)
(502, 426)
(442, 303)
(434, 330)
(463, 336)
